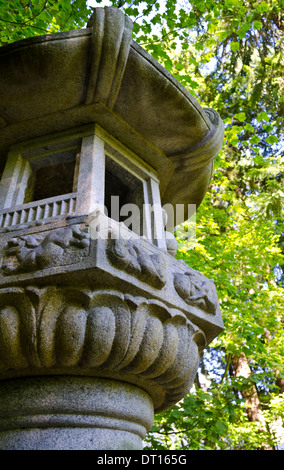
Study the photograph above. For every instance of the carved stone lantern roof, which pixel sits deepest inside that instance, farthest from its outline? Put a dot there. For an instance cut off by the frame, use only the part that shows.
(99, 74)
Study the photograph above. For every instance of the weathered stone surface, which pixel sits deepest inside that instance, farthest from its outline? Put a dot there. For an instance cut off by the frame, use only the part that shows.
(70, 256)
(67, 413)
(99, 333)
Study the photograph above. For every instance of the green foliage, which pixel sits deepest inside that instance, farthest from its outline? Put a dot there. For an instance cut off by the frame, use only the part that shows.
(213, 420)
(229, 55)
(21, 19)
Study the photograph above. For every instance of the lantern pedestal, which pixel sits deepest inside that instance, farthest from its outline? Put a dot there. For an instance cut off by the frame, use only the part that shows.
(95, 336)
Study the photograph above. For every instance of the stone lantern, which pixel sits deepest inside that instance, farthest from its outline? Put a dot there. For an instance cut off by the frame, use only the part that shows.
(100, 325)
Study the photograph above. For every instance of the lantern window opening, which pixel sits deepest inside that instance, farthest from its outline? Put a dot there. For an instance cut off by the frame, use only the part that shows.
(39, 181)
(124, 195)
(53, 176)
(138, 190)
(55, 179)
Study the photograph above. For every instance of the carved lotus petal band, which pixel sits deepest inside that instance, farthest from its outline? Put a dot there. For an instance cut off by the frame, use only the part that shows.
(100, 333)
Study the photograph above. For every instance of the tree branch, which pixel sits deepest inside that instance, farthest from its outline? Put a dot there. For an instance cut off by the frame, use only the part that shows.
(229, 358)
(18, 23)
(147, 11)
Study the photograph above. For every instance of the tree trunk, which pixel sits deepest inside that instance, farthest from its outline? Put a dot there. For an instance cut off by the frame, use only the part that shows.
(279, 380)
(276, 427)
(252, 404)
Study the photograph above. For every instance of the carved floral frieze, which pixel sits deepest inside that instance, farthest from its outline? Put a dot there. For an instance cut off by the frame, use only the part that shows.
(71, 246)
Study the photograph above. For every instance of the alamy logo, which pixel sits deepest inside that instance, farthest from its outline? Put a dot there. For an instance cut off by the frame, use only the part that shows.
(152, 222)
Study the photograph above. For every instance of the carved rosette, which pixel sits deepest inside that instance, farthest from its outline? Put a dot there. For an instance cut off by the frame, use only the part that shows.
(130, 257)
(196, 290)
(99, 333)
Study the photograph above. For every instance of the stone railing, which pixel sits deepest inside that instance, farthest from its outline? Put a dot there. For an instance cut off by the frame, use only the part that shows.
(38, 210)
